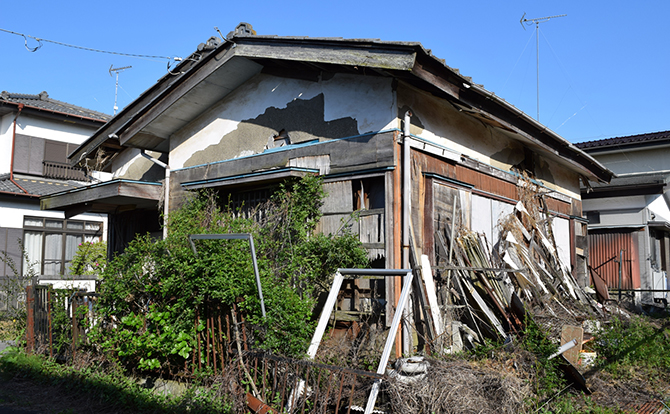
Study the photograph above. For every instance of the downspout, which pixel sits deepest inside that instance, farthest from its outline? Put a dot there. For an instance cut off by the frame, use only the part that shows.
(166, 197)
(11, 162)
(406, 200)
(405, 190)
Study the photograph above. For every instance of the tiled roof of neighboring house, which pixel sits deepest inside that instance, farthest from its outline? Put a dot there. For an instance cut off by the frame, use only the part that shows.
(36, 185)
(648, 138)
(43, 102)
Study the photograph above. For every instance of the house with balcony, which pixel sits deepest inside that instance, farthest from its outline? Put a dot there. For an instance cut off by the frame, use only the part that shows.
(37, 133)
(629, 218)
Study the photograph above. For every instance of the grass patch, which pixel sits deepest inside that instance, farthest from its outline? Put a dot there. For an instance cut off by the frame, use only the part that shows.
(105, 386)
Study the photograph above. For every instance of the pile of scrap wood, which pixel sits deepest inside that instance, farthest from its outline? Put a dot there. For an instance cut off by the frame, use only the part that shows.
(484, 292)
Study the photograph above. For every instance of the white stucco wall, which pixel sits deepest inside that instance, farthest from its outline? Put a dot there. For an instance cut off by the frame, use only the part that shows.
(13, 212)
(369, 100)
(486, 214)
(658, 206)
(37, 127)
(632, 161)
(6, 130)
(52, 129)
(561, 229)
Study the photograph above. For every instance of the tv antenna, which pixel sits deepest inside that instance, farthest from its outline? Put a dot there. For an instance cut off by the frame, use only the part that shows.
(116, 90)
(529, 22)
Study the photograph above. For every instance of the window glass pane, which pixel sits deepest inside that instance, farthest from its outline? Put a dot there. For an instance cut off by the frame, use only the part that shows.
(92, 226)
(72, 242)
(74, 225)
(91, 239)
(53, 252)
(32, 243)
(33, 222)
(54, 224)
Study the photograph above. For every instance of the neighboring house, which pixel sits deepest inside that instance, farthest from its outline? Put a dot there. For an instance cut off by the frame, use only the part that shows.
(629, 218)
(36, 135)
(240, 115)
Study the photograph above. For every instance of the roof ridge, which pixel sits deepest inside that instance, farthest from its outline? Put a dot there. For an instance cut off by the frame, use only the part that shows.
(44, 97)
(625, 139)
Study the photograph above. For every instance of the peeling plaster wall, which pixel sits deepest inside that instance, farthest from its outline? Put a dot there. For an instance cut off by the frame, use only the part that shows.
(438, 121)
(242, 123)
(130, 165)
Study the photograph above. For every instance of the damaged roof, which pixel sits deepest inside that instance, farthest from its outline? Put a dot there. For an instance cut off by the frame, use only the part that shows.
(219, 66)
(42, 102)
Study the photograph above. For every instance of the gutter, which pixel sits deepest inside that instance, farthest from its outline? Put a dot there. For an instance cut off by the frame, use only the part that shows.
(11, 162)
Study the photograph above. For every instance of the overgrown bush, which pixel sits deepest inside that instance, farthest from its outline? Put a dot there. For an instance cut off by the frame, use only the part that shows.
(638, 343)
(12, 297)
(150, 295)
(89, 259)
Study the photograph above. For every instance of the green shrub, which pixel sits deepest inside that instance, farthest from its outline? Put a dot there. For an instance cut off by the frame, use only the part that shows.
(150, 295)
(89, 259)
(634, 343)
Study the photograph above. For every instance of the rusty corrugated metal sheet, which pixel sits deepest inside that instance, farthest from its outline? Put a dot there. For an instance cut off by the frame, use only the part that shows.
(651, 407)
(604, 250)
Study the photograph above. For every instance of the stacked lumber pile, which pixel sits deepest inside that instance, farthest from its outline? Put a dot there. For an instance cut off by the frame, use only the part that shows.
(487, 292)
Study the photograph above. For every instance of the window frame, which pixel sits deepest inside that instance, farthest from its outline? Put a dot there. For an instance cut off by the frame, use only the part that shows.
(63, 231)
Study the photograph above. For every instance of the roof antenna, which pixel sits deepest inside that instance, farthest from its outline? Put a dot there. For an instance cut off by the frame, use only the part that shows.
(537, 22)
(116, 90)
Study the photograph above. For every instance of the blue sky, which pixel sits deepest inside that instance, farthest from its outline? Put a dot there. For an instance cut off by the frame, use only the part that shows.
(604, 68)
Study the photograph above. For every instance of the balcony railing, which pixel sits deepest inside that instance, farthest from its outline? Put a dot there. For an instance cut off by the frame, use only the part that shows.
(63, 171)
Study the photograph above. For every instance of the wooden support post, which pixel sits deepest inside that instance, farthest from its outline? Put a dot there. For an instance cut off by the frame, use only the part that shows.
(30, 311)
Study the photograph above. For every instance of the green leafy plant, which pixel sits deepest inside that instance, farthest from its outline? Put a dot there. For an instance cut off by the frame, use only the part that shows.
(548, 379)
(13, 295)
(639, 343)
(89, 259)
(152, 295)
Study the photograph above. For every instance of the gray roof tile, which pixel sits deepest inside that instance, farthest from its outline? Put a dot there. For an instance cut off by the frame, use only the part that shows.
(42, 101)
(625, 140)
(36, 185)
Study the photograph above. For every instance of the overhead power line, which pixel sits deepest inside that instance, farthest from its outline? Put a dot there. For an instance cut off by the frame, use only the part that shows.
(40, 40)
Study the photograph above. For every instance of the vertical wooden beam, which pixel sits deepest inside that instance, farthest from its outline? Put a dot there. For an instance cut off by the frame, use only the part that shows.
(30, 310)
(429, 222)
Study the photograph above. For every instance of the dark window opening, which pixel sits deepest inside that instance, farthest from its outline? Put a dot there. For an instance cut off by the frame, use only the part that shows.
(368, 193)
(593, 217)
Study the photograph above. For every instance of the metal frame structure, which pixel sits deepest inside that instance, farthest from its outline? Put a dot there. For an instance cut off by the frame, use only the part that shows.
(390, 339)
(233, 236)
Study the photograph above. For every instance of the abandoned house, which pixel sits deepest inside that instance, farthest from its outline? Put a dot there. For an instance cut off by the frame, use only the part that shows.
(398, 136)
(629, 219)
(37, 133)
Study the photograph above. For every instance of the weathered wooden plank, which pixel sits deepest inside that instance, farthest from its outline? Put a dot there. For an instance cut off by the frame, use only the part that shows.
(350, 56)
(568, 333)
